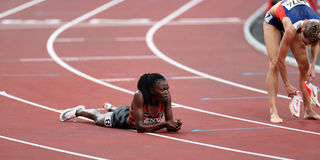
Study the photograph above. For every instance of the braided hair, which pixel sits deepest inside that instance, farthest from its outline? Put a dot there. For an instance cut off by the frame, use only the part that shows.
(146, 82)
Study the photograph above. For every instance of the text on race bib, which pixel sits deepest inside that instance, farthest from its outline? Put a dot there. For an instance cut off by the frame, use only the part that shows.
(289, 4)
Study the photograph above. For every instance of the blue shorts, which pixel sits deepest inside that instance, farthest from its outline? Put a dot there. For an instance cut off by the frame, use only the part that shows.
(268, 18)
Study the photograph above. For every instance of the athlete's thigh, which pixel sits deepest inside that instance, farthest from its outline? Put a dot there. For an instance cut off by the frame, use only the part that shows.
(272, 38)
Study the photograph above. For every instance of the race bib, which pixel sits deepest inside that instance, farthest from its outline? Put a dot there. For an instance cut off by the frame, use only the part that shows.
(108, 119)
(268, 17)
(289, 4)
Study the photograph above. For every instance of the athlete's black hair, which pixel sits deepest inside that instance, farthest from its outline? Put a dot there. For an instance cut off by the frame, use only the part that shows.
(146, 82)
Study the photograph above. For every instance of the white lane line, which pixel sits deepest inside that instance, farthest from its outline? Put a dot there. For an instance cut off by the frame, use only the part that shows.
(206, 21)
(118, 79)
(82, 39)
(57, 59)
(135, 79)
(3, 93)
(128, 39)
(52, 23)
(148, 22)
(51, 148)
(30, 22)
(91, 58)
(133, 21)
(69, 40)
(20, 8)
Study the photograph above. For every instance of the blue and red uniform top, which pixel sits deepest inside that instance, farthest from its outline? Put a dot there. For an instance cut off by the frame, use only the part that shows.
(297, 11)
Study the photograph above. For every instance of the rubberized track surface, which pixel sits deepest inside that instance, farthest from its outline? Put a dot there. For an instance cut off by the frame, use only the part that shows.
(59, 54)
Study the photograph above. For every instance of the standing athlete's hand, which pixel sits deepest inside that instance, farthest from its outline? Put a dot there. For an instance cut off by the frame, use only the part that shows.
(311, 75)
(291, 90)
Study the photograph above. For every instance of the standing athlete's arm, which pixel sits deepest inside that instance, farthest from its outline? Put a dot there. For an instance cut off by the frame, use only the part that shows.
(314, 55)
(288, 36)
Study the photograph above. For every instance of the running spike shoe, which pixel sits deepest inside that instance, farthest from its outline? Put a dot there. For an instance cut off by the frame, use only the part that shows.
(295, 104)
(70, 113)
(313, 92)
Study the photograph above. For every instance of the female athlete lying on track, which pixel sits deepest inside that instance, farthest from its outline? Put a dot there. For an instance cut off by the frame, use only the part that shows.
(149, 104)
(301, 28)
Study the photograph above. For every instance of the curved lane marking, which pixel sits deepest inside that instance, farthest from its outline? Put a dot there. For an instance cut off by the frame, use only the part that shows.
(20, 8)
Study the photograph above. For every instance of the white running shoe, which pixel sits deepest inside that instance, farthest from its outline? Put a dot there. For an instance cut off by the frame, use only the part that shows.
(70, 113)
(108, 107)
(295, 104)
(313, 92)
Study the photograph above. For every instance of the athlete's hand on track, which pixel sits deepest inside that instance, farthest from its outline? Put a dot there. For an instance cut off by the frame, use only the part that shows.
(178, 124)
(174, 125)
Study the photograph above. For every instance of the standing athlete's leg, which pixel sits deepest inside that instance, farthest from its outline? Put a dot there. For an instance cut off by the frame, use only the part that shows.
(300, 53)
(272, 37)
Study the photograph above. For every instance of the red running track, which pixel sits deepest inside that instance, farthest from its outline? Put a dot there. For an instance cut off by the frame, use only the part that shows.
(215, 48)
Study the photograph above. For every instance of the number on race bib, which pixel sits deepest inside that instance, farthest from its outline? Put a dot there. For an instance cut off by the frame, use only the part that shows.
(107, 122)
(292, 3)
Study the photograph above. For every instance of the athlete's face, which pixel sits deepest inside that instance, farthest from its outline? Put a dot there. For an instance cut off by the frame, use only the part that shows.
(161, 90)
(304, 39)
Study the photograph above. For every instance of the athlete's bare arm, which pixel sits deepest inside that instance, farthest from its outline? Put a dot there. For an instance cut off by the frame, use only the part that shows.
(175, 124)
(138, 113)
(314, 55)
(289, 35)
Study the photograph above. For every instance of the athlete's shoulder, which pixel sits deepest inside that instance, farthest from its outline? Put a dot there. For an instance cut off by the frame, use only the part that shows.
(138, 94)
(138, 97)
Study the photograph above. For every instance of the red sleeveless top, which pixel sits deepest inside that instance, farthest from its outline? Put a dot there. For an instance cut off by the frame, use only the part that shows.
(148, 116)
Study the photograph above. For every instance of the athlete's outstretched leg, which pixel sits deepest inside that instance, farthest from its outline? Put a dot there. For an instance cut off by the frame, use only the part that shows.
(92, 114)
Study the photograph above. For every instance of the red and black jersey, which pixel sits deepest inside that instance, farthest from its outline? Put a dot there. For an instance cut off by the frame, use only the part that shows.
(149, 118)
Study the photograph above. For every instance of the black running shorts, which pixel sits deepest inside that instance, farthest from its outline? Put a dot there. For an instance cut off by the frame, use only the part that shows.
(120, 116)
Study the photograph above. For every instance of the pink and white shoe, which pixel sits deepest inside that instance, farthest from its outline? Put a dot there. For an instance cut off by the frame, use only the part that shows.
(313, 92)
(295, 104)
(109, 107)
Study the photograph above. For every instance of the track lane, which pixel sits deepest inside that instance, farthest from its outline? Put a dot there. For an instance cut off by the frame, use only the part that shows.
(98, 92)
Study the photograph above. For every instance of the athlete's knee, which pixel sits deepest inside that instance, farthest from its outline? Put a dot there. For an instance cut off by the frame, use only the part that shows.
(99, 120)
(104, 119)
(274, 66)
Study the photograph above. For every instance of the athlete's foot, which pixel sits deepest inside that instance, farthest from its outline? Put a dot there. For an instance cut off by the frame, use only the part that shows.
(311, 115)
(275, 118)
(70, 113)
